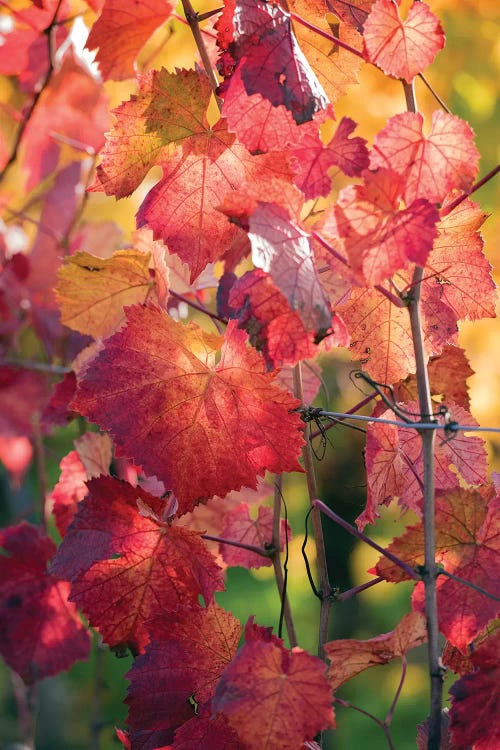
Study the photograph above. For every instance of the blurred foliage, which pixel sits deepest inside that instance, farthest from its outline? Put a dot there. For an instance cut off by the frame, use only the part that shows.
(466, 75)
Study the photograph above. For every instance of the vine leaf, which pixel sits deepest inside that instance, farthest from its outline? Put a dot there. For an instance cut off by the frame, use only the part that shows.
(468, 546)
(181, 209)
(209, 733)
(22, 394)
(92, 292)
(191, 407)
(187, 655)
(274, 328)
(239, 526)
(165, 124)
(458, 275)
(402, 49)
(91, 458)
(380, 335)
(432, 165)
(337, 68)
(126, 565)
(395, 466)
(73, 106)
(263, 43)
(41, 633)
(474, 712)
(314, 159)
(24, 51)
(281, 248)
(121, 31)
(379, 237)
(354, 14)
(267, 691)
(168, 110)
(448, 375)
(350, 657)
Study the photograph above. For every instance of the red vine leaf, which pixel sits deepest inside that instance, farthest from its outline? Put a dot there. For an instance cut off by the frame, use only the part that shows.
(314, 159)
(90, 459)
(448, 375)
(121, 31)
(352, 13)
(263, 42)
(165, 124)
(22, 394)
(430, 165)
(423, 733)
(264, 312)
(274, 697)
(379, 237)
(468, 546)
(127, 565)
(402, 49)
(282, 249)
(207, 733)
(380, 335)
(394, 462)
(168, 110)
(458, 275)
(190, 406)
(475, 708)
(72, 106)
(40, 631)
(351, 657)
(258, 124)
(185, 659)
(336, 67)
(182, 208)
(239, 526)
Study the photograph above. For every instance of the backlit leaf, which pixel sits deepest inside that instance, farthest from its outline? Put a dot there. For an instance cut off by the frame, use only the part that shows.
(267, 691)
(272, 325)
(336, 67)
(134, 566)
(90, 459)
(430, 165)
(264, 43)
(350, 657)
(467, 545)
(395, 465)
(41, 633)
(185, 659)
(239, 526)
(190, 406)
(475, 707)
(379, 237)
(123, 27)
(402, 49)
(282, 249)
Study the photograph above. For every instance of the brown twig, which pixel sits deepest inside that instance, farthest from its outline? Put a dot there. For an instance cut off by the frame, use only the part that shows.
(41, 466)
(49, 31)
(194, 24)
(97, 723)
(487, 177)
(26, 697)
(278, 571)
(410, 572)
(250, 547)
(324, 581)
(30, 364)
(326, 35)
(430, 570)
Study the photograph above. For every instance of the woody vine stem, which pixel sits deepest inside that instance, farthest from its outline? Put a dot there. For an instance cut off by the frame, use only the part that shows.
(428, 439)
